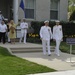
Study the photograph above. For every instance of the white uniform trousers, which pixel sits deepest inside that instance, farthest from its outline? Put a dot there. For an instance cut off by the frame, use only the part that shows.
(57, 51)
(8, 36)
(23, 34)
(46, 46)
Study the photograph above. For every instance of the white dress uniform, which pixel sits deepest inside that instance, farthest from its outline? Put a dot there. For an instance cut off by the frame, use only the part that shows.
(24, 27)
(57, 36)
(46, 35)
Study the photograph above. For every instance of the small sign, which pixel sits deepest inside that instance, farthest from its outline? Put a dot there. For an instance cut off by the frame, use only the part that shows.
(18, 32)
(70, 41)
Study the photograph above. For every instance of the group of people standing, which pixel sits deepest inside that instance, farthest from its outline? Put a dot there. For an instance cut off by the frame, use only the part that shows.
(46, 35)
(8, 28)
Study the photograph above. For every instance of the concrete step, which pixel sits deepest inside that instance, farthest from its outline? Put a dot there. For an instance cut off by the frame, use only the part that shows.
(29, 49)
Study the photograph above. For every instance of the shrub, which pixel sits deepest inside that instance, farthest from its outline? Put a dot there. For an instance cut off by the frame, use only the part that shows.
(68, 27)
(72, 17)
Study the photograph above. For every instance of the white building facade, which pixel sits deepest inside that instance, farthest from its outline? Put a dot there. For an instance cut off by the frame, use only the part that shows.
(35, 10)
(41, 10)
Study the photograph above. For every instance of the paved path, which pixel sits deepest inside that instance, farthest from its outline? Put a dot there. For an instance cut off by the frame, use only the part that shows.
(53, 61)
(71, 72)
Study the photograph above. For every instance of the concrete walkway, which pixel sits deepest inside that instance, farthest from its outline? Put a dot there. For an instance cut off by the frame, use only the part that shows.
(53, 61)
(71, 72)
(59, 63)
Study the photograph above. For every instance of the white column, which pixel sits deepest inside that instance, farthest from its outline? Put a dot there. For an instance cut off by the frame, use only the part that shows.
(15, 11)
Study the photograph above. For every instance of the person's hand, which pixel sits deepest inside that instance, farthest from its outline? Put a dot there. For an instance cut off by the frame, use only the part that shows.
(53, 39)
(61, 39)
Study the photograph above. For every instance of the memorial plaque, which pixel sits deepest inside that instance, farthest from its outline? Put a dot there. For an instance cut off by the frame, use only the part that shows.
(70, 41)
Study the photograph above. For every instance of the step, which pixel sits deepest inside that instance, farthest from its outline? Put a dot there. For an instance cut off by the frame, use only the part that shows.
(29, 49)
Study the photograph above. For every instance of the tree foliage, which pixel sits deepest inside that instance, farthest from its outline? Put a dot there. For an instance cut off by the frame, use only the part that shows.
(72, 17)
(72, 9)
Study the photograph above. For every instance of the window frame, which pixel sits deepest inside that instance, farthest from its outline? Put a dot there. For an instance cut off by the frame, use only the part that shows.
(27, 8)
(57, 10)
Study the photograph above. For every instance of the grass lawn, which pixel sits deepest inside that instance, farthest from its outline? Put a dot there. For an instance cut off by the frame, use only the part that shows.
(12, 65)
(64, 47)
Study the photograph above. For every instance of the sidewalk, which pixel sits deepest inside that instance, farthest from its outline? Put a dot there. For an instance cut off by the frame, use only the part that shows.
(58, 63)
(53, 61)
(71, 72)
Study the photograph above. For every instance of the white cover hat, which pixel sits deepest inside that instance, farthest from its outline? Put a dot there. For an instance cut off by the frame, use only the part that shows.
(46, 21)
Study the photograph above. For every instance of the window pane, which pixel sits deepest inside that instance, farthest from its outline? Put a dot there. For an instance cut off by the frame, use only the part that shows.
(29, 8)
(54, 4)
(53, 15)
(29, 13)
(29, 4)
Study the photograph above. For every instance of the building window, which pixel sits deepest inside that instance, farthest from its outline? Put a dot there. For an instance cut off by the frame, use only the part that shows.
(29, 9)
(54, 8)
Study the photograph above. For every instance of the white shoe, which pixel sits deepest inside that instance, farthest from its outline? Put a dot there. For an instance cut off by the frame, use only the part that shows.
(44, 53)
(58, 54)
(19, 42)
(24, 42)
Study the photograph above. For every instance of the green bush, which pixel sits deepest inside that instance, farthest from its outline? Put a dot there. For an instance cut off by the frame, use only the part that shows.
(72, 17)
(33, 40)
(68, 27)
(36, 25)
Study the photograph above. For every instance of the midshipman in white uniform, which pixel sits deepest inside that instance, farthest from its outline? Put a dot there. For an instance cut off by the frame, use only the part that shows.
(24, 27)
(46, 35)
(57, 36)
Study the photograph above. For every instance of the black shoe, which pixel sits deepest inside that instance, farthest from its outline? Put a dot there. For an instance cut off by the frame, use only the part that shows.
(3, 43)
(49, 54)
(9, 42)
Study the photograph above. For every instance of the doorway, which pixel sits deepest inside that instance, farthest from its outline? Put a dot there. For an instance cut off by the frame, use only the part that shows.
(6, 8)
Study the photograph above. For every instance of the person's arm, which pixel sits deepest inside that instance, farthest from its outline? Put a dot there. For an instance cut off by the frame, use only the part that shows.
(12, 28)
(51, 34)
(21, 25)
(61, 33)
(26, 26)
(0, 27)
(2, 17)
(41, 33)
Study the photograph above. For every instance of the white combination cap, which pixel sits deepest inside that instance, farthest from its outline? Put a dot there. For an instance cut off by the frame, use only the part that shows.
(57, 21)
(46, 21)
